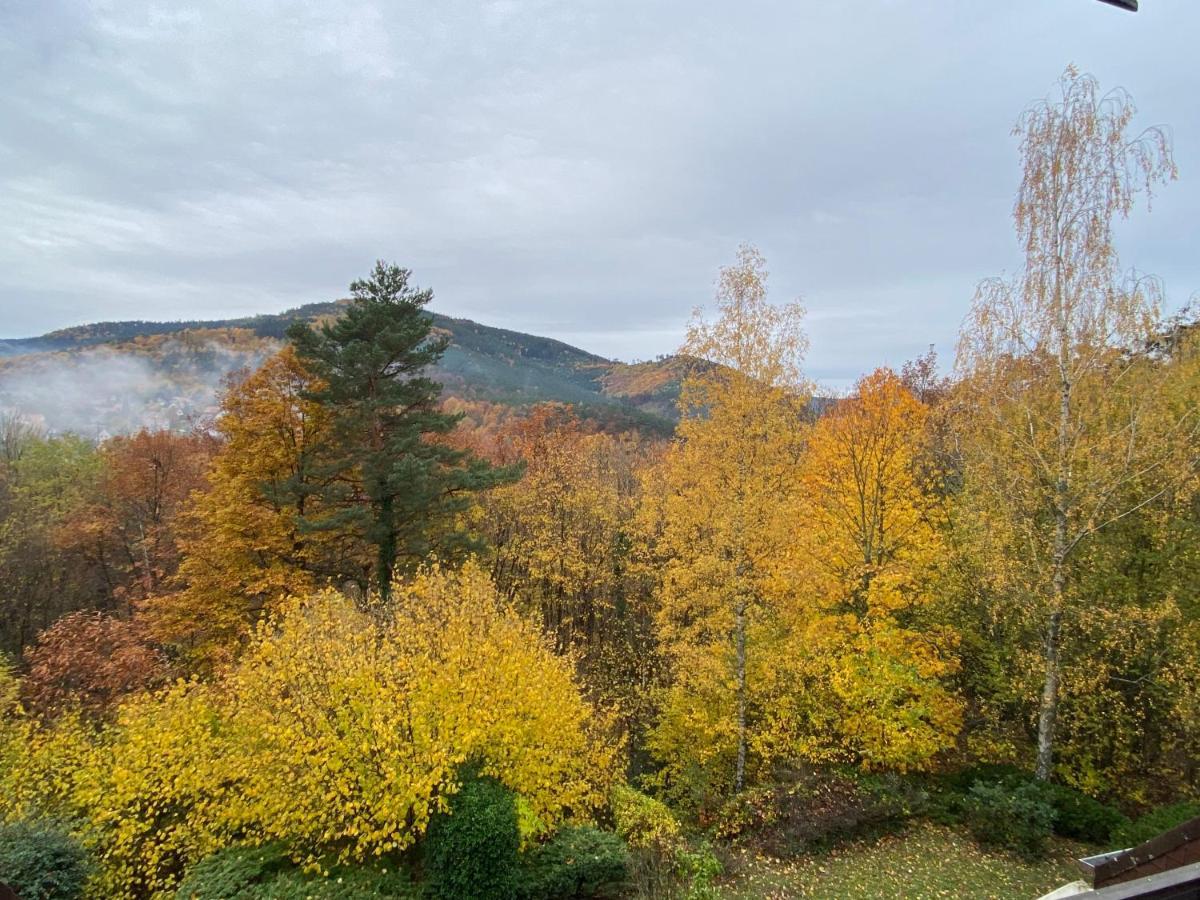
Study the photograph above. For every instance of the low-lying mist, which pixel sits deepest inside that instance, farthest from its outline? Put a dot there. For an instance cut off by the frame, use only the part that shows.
(102, 391)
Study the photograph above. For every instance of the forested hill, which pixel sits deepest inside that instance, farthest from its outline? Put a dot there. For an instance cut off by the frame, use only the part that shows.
(115, 377)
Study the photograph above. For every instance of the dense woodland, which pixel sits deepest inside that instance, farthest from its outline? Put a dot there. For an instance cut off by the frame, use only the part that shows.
(328, 620)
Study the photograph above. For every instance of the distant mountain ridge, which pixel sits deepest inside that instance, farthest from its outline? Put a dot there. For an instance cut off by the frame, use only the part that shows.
(115, 377)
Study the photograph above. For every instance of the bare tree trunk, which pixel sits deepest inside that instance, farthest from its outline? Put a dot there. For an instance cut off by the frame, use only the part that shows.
(385, 561)
(148, 577)
(1048, 714)
(1048, 717)
(739, 771)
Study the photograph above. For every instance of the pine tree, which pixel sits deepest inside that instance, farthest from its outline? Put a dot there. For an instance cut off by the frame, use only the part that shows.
(389, 479)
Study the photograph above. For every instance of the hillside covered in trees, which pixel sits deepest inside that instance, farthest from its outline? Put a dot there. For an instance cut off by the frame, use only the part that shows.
(421, 608)
(119, 377)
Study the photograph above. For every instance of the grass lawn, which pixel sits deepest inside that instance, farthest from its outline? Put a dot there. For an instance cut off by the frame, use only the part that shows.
(924, 861)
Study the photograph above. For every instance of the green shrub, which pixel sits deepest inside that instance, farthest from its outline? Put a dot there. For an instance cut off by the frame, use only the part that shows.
(906, 796)
(949, 794)
(662, 861)
(266, 873)
(233, 872)
(471, 851)
(577, 862)
(341, 883)
(988, 773)
(698, 868)
(41, 862)
(1155, 823)
(1015, 818)
(689, 873)
(1076, 815)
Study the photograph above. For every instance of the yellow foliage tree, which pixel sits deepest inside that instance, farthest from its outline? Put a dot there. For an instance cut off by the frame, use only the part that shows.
(395, 709)
(556, 533)
(560, 552)
(866, 557)
(717, 518)
(336, 733)
(1057, 432)
(1127, 723)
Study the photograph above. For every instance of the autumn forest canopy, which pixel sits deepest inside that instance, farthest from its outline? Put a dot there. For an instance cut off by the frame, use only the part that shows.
(357, 623)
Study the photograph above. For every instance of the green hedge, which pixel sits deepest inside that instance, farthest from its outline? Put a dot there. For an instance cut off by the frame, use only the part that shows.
(1082, 817)
(471, 851)
(1155, 823)
(578, 862)
(41, 862)
(1076, 815)
(1015, 818)
(267, 873)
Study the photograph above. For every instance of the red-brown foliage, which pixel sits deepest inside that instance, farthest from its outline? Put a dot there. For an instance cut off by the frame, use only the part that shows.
(127, 534)
(91, 659)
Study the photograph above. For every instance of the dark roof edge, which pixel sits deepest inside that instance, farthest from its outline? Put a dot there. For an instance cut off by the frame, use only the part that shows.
(1106, 866)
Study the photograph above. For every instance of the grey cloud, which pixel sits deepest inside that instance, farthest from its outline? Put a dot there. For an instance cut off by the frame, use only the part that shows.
(579, 169)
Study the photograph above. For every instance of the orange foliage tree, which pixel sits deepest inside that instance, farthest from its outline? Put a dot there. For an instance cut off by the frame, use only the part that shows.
(243, 541)
(127, 532)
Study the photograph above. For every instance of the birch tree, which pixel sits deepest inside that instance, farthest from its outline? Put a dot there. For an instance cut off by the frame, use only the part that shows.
(721, 497)
(1055, 429)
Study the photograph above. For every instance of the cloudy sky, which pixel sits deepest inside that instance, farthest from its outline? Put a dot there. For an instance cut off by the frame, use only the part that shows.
(578, 169)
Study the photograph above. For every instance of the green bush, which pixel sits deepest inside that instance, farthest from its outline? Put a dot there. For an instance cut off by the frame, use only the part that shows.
(989, 773)
(267, 873)
(949, 794)
(1015, 818)
(1155, 823)
(662, 861)
(577, 862)
(1076, 815)
(698, 868)
(41, 862)
(233, 872)
(471, 851)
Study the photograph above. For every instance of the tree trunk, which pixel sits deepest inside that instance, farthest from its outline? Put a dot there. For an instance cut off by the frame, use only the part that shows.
(1048, 714)
(385, 565)
(739, 772)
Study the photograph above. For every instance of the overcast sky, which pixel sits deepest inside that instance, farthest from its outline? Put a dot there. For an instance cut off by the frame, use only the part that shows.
(578, 169)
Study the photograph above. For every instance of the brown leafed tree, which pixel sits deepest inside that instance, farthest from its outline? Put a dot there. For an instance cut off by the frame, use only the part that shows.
(90, 659)
(127, 534)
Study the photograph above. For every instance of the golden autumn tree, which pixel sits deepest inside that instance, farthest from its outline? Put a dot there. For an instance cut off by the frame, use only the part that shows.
(716, 514)
(1127, 724)
(555, 533)
(243, 544)
(868, 545)
(560, 542)
(337, 733)
(1055, 430)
